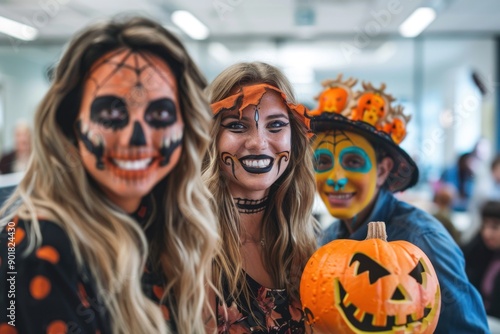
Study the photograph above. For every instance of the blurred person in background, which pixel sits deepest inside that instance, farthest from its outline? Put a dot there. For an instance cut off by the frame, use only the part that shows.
(17, 159)
(486, 188)
(482, 256)
(443, 200)
(111, 223)
(489, 189)
(461, 175)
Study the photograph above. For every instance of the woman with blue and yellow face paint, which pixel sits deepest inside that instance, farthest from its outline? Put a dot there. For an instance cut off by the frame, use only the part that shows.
(346, 172)
(359, 166)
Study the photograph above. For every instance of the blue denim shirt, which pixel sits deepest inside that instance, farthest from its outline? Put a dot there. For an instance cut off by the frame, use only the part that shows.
(462, 310)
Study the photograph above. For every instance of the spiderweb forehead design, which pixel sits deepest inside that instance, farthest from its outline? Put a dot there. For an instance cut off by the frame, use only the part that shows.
(339, 136)
(140, 64)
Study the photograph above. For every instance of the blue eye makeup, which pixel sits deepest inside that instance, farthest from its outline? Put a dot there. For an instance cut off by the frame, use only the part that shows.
(323, 160)
(355, 159)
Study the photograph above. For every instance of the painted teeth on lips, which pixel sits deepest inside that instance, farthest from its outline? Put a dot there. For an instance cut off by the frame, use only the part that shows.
(133, 164)
(261, 163)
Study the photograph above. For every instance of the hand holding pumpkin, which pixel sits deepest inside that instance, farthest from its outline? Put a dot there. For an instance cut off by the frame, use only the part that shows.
(370, 286)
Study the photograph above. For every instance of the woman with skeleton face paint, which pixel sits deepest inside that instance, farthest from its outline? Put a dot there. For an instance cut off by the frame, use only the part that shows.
(261, 176)
(113, 197)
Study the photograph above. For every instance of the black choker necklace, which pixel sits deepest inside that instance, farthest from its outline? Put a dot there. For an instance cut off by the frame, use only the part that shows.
(251, 205)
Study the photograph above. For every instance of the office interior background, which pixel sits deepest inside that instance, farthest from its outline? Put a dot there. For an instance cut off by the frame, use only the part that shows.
(443, 67)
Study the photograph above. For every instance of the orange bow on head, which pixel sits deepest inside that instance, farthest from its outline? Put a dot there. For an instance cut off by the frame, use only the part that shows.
(251, 95)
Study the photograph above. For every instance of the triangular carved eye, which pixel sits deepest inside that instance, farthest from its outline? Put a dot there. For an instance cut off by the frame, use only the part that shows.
(417, 272)
(366, 263)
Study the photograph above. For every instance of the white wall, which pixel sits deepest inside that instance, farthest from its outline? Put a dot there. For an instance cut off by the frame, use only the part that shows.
(455, 114)
(23, 82)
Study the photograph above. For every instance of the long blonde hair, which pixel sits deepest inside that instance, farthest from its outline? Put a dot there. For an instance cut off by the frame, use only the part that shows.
(288, 225)
(108, 241)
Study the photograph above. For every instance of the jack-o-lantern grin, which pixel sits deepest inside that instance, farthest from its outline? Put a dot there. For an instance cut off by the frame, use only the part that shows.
(370, 286)
(363, 321)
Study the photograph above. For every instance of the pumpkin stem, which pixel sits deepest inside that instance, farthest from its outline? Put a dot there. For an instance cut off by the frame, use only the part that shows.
(376, 230)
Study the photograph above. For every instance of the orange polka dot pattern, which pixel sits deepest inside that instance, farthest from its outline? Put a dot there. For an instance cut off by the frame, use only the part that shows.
(7, 329)
(40, 287)
(53, 295)
(48, 253)
(57, 327)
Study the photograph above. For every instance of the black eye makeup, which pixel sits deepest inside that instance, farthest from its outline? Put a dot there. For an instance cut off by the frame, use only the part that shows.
(109, 111)
(161, 113)
(273, 123)
(236, 126)
(277, 125)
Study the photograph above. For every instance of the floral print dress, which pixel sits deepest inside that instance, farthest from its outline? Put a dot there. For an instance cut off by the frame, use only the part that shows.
(273, 311)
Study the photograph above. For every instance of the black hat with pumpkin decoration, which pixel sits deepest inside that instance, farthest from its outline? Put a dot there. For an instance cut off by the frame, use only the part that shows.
(369, 113)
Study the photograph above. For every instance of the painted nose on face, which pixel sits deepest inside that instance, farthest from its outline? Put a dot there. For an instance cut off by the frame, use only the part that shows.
(137, 138)
(337, 184)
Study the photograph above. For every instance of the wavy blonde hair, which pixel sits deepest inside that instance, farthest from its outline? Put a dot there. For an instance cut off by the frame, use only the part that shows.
(108, 241)
(288, 224)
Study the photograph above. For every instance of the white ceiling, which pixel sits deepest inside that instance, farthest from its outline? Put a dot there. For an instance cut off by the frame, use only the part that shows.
(267, 30)
(58, 19)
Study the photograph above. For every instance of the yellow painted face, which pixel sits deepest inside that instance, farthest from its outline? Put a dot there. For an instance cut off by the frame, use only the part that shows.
(346, 172)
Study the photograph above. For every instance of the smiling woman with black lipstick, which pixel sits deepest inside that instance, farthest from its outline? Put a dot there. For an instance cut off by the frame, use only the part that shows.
(261, 176)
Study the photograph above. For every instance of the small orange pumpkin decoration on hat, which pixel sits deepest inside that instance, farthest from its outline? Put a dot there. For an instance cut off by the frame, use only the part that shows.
(396, 124)
(372, 104)
(370, 286)
(336, 97)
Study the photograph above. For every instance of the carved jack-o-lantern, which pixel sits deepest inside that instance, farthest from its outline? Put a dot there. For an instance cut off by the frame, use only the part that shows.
(371, 286)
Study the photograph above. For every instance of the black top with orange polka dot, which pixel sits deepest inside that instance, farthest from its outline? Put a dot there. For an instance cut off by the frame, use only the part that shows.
(44, 291)
(49, 292)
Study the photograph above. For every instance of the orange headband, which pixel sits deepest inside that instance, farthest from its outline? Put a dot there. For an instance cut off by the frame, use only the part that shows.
(251, 95)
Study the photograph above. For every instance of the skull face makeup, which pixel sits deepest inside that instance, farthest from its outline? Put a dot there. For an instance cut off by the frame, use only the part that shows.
(346, 172)
(255, 147)
(130, 126)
